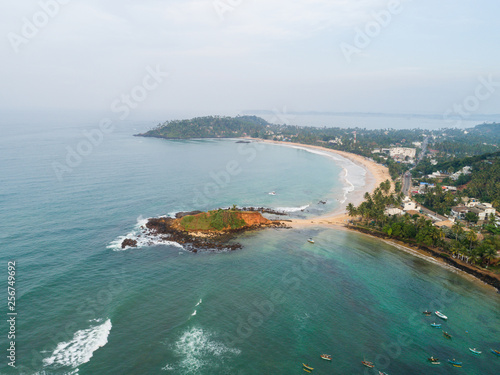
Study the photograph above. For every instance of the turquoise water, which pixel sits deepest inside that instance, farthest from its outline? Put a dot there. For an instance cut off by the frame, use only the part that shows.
(85, 308)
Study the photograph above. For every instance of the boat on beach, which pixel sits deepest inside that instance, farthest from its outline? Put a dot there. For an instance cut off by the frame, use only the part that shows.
(310, 240)
(436, 325)
(475, 351)
(455, 363)
(326, 357)
(441, 315)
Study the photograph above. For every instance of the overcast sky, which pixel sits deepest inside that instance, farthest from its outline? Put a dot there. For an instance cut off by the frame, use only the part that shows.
(226, 56)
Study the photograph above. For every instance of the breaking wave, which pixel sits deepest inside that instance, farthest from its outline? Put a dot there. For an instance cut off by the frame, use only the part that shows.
(81, 347)
(143, 236)
(199, 351)
(292, 209)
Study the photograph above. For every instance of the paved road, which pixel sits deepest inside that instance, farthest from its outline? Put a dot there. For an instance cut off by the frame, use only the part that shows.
(406, 183)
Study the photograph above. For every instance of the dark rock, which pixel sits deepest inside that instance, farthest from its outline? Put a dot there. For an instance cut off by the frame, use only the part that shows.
(129, 242)
(179, 215)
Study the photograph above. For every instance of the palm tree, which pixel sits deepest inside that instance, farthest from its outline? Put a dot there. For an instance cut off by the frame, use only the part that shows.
(457, 229)
(351, 210)
(489, 254)
(471, 237)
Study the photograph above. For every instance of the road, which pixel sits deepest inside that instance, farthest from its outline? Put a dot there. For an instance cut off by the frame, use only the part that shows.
(406, 183)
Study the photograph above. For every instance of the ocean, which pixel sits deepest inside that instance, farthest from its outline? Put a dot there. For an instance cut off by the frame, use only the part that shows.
(85, 306)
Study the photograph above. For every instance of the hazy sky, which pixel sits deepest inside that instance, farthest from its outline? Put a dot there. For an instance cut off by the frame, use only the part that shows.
(231, 55)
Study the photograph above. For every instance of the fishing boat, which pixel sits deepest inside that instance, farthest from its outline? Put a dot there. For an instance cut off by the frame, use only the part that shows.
(475, 351)
(434, 361)
(447, 335)
(310, 240)
(455, 363)
(427, 313)
(306, 370)
(368, 364)
(441, 315)
(306, 367)
(436, 325)
(494, 351)
(326, 357)
(272, 193)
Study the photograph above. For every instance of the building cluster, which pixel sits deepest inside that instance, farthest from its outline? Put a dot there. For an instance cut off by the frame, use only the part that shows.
(482, 210)
(399, 154)
(439, 175)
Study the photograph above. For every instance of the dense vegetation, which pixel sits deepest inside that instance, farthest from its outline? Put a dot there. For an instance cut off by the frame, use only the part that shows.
(217, 219)
(457, 241)
(209, 127)
(483, 183)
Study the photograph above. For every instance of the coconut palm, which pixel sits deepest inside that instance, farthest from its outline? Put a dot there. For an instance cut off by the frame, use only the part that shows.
(489, 254)
(471, 237)
(351, 210)
(457, 229)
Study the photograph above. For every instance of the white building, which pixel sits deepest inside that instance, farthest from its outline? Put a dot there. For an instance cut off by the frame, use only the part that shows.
(403, 152)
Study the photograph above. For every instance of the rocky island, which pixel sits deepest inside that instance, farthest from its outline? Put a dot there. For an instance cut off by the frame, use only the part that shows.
(211, 230)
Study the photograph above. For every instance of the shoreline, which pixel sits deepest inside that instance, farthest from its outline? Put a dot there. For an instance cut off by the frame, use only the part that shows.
(375, 174)
(338, 219)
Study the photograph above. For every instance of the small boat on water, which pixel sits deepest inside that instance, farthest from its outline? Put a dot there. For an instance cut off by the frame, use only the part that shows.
(434, 361)
(475, 351)
(447, 335)
(436, 325)
(310, 240)
(441, 315)
(455, 363)
(494, 351)
(368, 364)
(306, 367)
(427, 313)
(272, 193)
(326, 357)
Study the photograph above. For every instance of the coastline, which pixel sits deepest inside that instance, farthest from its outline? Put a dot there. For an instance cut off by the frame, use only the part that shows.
(375, 174)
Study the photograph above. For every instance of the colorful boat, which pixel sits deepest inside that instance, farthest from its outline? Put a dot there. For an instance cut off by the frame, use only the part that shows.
(441, 315)
(447, 335)
(434, 361)
(368, 364)
(427, 313)
(306, 367)
(455, 363)
(436, 325)
(475, 351)
(310, 240)
(326, 357)
(494, 351)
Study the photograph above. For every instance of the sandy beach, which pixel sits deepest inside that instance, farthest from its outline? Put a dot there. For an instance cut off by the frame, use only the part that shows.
(375, 174)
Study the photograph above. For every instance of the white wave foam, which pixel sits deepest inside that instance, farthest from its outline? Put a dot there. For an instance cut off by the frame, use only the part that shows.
(143, 236)
(168, 367)
(291, 209)
(81, 348)
(199, 302)
(347, 189)
(198, 350)
(193, 314)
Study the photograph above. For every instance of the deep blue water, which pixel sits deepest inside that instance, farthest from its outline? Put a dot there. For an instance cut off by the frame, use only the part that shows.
(85, 308)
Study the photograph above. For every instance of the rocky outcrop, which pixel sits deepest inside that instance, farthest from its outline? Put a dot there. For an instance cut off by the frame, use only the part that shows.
(129, 242)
